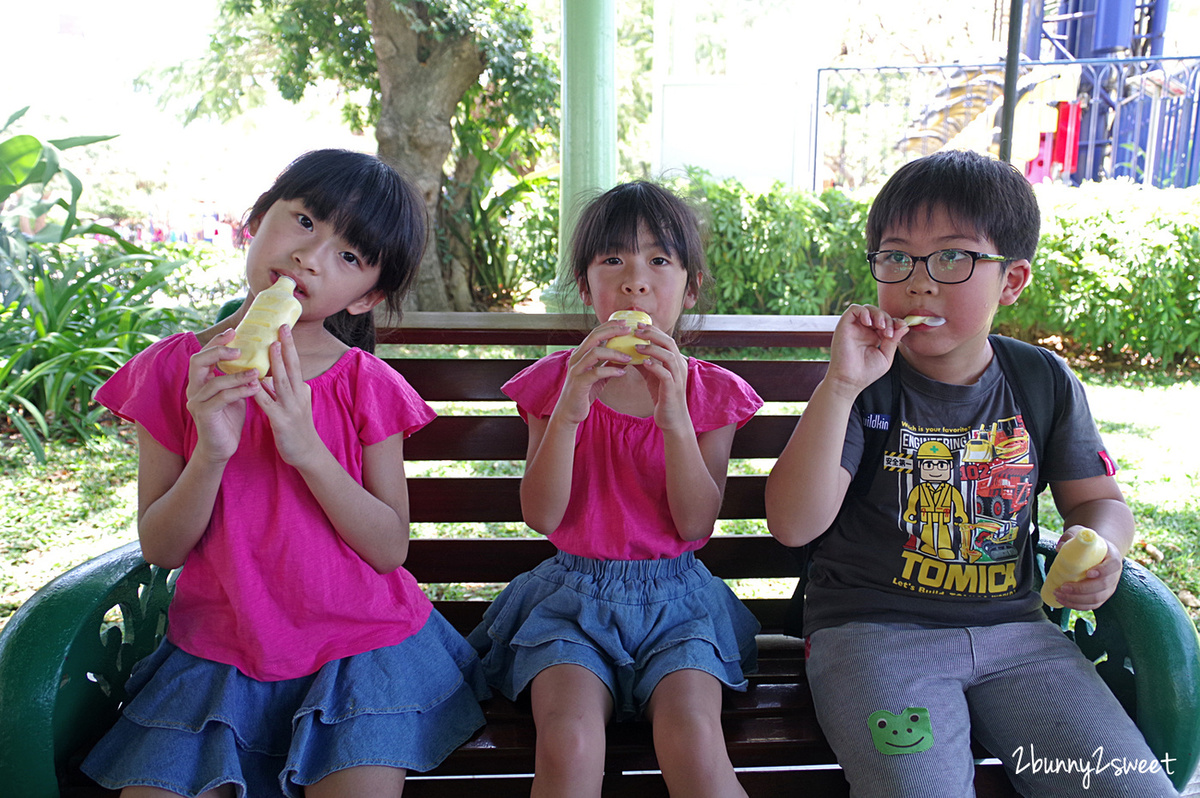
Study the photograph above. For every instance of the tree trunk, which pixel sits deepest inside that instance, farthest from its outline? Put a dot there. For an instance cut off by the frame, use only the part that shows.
(458, 255)
(421, 81)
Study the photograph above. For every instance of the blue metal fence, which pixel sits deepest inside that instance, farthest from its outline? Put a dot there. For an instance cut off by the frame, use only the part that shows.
(1137, 118)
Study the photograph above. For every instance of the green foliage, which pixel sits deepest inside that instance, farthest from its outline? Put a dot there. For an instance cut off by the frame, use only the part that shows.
(294, 44)
(533, 233)
(635, 86)
(502, 126)
(72, 310)
(781, 252)
(1116, 272)
(488, 209)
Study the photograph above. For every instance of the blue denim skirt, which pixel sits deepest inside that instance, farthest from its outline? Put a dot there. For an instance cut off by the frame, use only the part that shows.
(631, 622)
(192, 724)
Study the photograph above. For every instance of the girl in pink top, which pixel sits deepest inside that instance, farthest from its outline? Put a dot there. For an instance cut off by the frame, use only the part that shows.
(300, 658)
(625, 473)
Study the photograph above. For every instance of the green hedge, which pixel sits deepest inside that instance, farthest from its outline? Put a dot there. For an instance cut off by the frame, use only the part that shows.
(1116, 272)
(783, 252)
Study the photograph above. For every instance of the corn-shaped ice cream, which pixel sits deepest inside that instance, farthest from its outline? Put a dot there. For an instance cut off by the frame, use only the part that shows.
(626, 343)
(270, 310)
(1077, 555)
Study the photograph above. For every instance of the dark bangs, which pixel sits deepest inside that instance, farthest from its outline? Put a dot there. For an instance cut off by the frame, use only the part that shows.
(613, 220)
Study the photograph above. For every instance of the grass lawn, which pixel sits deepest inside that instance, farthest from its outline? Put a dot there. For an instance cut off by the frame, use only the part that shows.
(83, 501)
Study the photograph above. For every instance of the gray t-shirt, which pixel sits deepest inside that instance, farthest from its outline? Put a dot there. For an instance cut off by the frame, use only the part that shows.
(941, 538)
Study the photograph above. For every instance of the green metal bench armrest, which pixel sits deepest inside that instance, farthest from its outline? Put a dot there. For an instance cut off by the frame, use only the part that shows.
(64, 658)
(1147, 651)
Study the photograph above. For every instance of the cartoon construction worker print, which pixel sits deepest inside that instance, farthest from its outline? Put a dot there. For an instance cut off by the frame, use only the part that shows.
(959, 495)
(935, 505)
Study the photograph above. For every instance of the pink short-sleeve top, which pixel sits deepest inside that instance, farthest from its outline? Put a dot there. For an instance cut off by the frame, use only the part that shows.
(271, 587)
(617, 508)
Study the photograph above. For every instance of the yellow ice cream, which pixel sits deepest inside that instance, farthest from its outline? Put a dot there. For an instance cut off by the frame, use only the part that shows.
(270, 310)
(626, 343)
(1079, 554)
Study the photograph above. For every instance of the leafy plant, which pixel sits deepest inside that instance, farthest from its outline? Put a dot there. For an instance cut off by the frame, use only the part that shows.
(484, 205)
(780, 252)
(73, 309)
(1116, 272)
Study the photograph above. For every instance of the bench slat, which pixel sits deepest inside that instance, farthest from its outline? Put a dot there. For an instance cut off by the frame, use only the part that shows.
(435, 560)
(480, 499)
(506, 438)
(446, 380)
(566, 329)
(453, 380)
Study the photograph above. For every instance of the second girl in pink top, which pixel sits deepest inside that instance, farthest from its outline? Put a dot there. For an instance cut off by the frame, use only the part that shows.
(625, 473)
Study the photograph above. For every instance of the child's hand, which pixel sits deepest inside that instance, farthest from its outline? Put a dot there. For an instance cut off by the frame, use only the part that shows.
(216, 402)
(287, 402)
(864, 344)
(590, 366)
(1100, 582)
(666, 371)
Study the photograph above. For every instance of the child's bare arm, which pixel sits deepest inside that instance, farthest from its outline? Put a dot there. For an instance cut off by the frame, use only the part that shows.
(696, 471)
(549, 460)
(175, 501)
(696, 465)
(807, 484)
(176, 497)
(1096, 503)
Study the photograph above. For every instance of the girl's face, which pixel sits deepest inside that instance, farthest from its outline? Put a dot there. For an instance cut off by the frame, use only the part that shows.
(330, 276)
(649, 279)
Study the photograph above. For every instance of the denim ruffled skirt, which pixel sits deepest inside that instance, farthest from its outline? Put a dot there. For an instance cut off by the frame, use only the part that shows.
(631, 622)
(192, 724)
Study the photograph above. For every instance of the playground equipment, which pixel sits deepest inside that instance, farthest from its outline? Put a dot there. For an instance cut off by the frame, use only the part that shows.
(1141, 120)
(1096, 98)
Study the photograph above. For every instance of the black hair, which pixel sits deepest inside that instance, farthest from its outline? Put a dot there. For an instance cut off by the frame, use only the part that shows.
(612, 221)
(373, 208)
(991, 196)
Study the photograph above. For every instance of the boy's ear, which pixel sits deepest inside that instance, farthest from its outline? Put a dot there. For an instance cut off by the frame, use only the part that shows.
(1016, 278)
(365, 303)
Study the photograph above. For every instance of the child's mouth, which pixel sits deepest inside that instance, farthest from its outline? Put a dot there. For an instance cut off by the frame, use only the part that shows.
(928, 321)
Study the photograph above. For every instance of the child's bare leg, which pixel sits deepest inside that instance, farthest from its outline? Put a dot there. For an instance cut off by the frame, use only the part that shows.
(363, 780)
(571, 707)
(685, 710)
(224, 791)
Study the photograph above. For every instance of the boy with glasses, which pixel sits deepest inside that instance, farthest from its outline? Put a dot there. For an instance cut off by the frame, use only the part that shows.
(922, 617)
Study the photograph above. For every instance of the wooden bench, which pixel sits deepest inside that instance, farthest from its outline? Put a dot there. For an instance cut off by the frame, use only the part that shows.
(66, 653)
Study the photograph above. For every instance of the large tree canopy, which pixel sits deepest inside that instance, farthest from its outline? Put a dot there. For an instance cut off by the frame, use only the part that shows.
(406, 67)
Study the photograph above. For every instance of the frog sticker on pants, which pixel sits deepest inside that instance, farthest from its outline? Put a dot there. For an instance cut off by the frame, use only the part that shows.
(906, 733)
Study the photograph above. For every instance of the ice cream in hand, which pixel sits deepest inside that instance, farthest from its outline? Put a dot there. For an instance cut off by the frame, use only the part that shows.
(270, 310)
(1079, 554)
(627, 343)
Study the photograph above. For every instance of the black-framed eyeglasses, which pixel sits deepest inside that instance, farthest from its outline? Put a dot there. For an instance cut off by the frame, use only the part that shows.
(947, 266)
